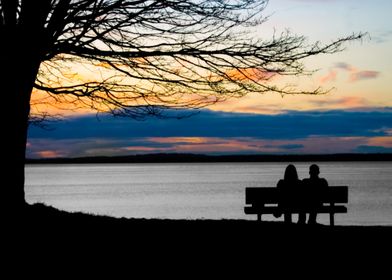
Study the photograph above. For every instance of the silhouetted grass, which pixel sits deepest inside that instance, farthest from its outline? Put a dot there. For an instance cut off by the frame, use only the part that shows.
(45, 235)
(42, 217)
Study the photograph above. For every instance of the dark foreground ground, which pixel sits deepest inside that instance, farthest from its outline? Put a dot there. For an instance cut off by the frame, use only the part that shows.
(47, 235)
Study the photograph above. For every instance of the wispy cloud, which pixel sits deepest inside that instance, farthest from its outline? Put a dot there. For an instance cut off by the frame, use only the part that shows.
(330, 77)
(363, 75)
(355, 74)
(291, 146)
(342, 102)
(344, 66)
(382, 36)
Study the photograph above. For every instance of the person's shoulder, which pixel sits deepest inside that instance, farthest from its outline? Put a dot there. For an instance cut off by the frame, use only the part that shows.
(324, 181)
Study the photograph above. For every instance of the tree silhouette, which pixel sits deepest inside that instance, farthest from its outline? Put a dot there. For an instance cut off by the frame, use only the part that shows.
(145, 56)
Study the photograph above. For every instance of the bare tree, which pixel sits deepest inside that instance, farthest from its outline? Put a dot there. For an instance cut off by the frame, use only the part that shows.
(146, 56)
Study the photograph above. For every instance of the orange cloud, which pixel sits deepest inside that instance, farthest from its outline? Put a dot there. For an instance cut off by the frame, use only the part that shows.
(330, 77)
(43, 103)
(352, 101)
(253, 74)
(383, 141)
(221, 145)
(145, 149)
(49, 154)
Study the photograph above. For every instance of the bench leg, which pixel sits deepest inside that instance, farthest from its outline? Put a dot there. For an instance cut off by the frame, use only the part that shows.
(331, 219)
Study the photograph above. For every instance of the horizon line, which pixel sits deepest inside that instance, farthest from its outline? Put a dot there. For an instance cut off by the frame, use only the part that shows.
(200, 157)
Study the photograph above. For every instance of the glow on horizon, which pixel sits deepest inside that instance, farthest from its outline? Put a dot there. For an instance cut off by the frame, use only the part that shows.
(205, 145)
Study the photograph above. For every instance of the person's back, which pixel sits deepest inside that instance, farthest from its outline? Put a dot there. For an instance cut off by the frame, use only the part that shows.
(288, 187)
(314, 186)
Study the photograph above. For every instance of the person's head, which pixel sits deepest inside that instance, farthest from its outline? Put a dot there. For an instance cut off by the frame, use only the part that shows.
(314, 171)
(290, 173)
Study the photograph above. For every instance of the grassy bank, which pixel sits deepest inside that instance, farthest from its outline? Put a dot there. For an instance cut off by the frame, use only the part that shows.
(45, 235)
(40, 218)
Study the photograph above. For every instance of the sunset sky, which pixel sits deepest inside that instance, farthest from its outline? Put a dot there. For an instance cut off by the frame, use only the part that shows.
(355, 116)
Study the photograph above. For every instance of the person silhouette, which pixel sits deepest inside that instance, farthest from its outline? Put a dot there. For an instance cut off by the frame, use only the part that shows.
(314, 186)
(289, 186)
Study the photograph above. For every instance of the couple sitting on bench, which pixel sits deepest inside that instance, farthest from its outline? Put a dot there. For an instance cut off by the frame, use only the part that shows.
(293, 196)
(296, 193)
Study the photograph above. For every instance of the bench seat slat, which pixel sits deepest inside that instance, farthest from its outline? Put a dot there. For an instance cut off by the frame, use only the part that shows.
(272, 209)
(333, 194)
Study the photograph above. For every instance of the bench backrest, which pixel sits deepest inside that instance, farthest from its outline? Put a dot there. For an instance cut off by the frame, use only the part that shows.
(261, 195)
(256, 195)
(336, 194)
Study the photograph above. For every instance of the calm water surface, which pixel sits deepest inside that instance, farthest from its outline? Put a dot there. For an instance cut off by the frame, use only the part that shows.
(200, 190)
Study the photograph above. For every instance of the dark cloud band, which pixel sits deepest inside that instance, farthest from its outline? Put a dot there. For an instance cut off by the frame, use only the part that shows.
(218, 133)
(288, 125)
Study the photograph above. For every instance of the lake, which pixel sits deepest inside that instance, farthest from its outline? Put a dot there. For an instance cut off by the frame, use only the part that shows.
(200, 190)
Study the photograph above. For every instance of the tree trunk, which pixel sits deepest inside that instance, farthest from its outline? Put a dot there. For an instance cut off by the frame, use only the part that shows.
(16, 83)
(23, 41)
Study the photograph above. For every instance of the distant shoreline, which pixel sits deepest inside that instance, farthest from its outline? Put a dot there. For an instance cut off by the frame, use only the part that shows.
(201, 158)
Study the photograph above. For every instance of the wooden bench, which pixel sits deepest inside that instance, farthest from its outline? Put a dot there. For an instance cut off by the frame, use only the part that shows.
(265, 201)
